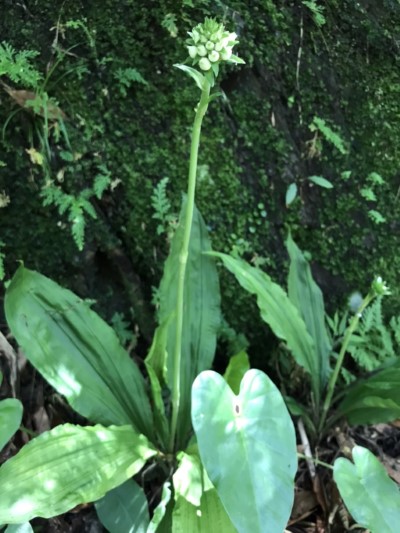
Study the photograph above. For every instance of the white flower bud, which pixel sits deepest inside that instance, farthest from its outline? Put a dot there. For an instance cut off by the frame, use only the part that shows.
(209, 45)
(213, 56)
(218, 47)
(203, 39)
(226, 53)
(195, 36)
(201, 50)
(192, 51)
(204, 64)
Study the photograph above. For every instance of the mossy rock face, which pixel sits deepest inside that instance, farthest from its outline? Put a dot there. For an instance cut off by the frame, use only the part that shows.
(256, 141)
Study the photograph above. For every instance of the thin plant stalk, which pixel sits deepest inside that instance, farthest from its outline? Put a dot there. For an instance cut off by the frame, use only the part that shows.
(334, 377)
(183, 257)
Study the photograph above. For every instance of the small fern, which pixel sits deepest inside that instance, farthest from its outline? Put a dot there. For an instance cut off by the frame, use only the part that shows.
(125, 78)
(101, 181)
(329, 135)
(17, 65)
(375, 342)
(316, 11)
(162, 207)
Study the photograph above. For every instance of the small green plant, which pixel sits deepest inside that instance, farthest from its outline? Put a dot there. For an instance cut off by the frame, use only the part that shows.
(126, 77)
(320, 127)
(374, 342)
(316, 11)
(162, 209)
(49, 133)
(370, 193)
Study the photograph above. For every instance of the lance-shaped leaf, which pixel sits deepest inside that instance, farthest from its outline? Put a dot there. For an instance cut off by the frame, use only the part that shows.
(370, 495)
(68, 466)
(279, 313)
(194, 74)
(374, 399)
(124, 509)
(162, 517)
(237, 367)
(156, 368)
(307, 297)
(10, 419)
(248, 447)
(201, 314)
(76, 352)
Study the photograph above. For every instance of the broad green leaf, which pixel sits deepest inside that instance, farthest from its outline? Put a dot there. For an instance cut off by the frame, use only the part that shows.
(307, 297)
(194, 74)
(237, 367)
(10, 419)
(321, 182)
(188, 482)
(201, 313)
(291, 194)
(296, 409)
(374, 399)
(19, 528)
(278, 312)
(370, 495)
(124, 509)
(76, 352)
(155, 364)
(68, 466)
(248, 447)
(162, 517)
(210, 516)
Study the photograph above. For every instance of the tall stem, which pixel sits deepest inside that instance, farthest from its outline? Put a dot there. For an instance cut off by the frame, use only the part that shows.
(332, 382)
(183, 257)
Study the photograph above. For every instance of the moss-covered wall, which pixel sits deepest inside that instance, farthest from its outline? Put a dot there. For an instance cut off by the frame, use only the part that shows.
(256, 140)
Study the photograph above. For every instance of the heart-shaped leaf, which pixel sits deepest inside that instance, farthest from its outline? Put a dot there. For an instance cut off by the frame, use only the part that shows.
(370, 495)
(19, 528)
(248, 447)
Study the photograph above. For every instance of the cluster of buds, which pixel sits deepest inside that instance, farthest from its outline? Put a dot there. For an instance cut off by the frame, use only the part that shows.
(379, 287)
(209, 44)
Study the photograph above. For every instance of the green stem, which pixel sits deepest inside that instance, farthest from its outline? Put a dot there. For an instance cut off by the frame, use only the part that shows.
(316, 461)
(183, 257)
(334, 377)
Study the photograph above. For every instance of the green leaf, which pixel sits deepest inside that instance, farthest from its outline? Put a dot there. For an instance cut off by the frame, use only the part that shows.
(296, 409)
(236, 59)
(162, 517)
(76, 352)
(201, 313)
(237, 367)
(193, 73)
(307, 297)
(68, 466)
(370, 495)
(19, 528)
(248, 447)
(291, 194)
(374, 399)
(321, 182)
(188, 481)
(10, 419)
(155, 364)
(124, 509)
(278, 311)
(208, 517)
